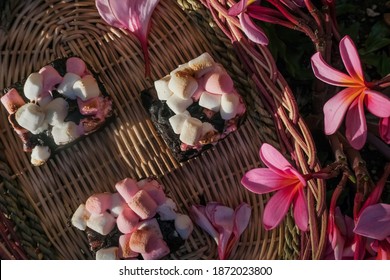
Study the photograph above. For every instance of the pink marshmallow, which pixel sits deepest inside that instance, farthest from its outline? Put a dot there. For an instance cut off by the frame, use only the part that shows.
(127, 188)
(155, 190)
(156, 250)
(151, 225)
(76, 66)
(124, 247)
(127, 221)
(143, 205)
(140, 240)
(98, 203)
(218, 81)
(118, 204)
(51, 77)
(12, 101)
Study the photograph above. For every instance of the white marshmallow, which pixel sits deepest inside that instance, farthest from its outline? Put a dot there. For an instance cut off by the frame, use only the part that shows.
(110, 253)
(80, 217)
(56, 111)
(33, 86)
(65, 133)
(229, 106)
(182, 67)
(39, 155)
(44, 126)
(66, 86)
(30, 116)
(210, 101)
(117, 204)
(202, 64)
(86, 88)
(177, 121)
(101, 223)
(182, 84)
(167, 210)
(161, 86)
(206, 128)
(190, 131)
(177, 104)
(184, 226)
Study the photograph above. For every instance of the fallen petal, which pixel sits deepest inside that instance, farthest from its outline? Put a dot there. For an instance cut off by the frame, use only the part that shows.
(238, 8)
(274, 160)
(374, 222)
(384, 130)
(254, 33)
(198, 216)
(301, 215)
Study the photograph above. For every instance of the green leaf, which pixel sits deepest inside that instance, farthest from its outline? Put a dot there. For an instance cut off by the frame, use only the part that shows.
(377, 39)
(384, 64)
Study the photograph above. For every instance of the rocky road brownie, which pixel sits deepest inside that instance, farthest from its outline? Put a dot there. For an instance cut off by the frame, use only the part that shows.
(136, 222)
(53, 107)
(194, 107)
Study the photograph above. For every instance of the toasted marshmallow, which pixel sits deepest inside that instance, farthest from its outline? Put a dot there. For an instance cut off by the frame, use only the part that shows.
(56, 111)
(143, 205)
(177, 104)
(151, 225)
(184, 226)
(202, 64)
(182, 84)
(80, 217)
(110, 253)
(118, 204)
(229, 106)
(76, 66)
(127, 188)
(124, 247)
(86, 88)
(39, 155)
(98, 203)
(206, 128)
(101, 223)
(157, 249)
(210, 101)
(190, 131)
(167, 210)
(12, 101)
(66, 86)
(161, 86)
(65, 133)
(127, 221)
(30, 116)
(218, 81)
(33, 87)
(177, 121)
(140, 240)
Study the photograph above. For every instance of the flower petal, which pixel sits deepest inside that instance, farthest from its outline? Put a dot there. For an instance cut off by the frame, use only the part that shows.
(223, 221)
(355, 122)
(105, 11)
(377, 103)
(329, 75)
(264, 180)
(351, 60)
(277, 207)
(274, 160)
(254, 32)
(384, 130)
(242, 216)
(336, 107)
(238, 8)
(301, 215)
(374, 222)
(198, 216)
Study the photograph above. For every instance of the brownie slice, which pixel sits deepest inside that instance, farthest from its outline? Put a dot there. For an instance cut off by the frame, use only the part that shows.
(55, 107)
(194, 107)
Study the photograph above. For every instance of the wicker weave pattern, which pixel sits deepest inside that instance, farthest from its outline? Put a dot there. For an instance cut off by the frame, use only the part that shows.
(129, 147)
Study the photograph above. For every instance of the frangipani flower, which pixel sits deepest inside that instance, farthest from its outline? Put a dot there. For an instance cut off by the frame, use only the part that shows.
(131, 15)
(384, 130)
(223, 223)
(282, 177)
(254, 32)
(350, 101)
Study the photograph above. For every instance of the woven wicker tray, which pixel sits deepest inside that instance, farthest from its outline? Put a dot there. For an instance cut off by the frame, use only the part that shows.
(41, 200)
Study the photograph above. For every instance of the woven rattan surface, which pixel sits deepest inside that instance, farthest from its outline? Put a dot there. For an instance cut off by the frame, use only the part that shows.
(129, 146)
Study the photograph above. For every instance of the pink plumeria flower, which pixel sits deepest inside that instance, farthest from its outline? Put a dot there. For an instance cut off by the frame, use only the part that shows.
(384, 130)
(254, 32)
(132, 16)
(350, 101)
(289, 184)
